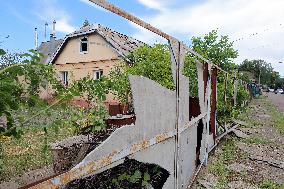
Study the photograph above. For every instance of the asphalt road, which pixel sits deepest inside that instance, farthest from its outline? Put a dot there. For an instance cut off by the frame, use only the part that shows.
(277, 100)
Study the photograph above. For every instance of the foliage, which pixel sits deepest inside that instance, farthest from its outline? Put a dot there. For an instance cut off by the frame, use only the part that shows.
(30, 151)
(151, 62)
(120, 86)
(218, 50)
(135, 178)
(259, 68)
(190, 70)
(218, 166)
(154, 63)
(142, 176)
(94, 116)
(9, 58)
(21, 83)
(271, 185)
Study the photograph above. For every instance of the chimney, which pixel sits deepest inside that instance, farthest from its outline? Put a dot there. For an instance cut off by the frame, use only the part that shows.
(53, 28)
(45, 27)
(36, 39)
(52, 37)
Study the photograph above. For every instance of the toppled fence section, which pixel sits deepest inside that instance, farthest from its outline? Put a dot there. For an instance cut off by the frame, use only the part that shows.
(165, 133)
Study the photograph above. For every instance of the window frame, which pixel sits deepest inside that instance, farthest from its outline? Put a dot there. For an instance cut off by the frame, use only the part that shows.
(100, 72)
(85, 42)
(64, 77)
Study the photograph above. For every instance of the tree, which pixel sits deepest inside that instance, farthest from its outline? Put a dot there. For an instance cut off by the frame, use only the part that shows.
(155, 63)
(86, 23)
(260, 69)
(218, 50)
(9, 58)
(151, 62)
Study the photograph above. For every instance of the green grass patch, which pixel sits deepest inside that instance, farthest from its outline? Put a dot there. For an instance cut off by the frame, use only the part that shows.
(277, 118)
(271, 185)
(31, 150)
(218, 167)
(256, 140)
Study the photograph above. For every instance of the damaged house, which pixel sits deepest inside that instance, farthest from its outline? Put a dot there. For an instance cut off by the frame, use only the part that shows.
(92, 50)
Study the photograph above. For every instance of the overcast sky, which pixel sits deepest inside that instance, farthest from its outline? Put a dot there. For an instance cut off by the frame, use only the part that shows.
(256, 26)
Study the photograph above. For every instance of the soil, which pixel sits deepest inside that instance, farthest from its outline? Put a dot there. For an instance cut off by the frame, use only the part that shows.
(105, 180)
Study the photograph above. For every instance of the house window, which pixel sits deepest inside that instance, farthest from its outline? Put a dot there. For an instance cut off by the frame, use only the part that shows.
(64, 78)
(84, 45)
(98, 74)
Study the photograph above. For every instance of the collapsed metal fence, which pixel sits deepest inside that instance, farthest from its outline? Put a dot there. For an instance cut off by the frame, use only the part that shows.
(166, 132)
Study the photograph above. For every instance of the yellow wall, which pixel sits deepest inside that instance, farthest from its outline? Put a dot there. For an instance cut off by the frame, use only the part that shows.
(100, 56)
(98, 49)
(77, 71)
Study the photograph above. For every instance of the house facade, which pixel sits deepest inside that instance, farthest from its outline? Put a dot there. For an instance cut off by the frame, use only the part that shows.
(92, 50)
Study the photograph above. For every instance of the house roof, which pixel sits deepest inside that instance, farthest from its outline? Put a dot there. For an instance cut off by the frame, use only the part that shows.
(121, 43)
(48, 49)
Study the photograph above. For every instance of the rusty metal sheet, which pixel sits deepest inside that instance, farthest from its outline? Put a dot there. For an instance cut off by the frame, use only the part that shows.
(213, 101)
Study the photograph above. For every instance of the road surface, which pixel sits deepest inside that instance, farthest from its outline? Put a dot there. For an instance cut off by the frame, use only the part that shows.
(277, 100)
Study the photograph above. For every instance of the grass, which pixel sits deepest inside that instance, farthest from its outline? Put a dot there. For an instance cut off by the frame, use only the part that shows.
(31, 150)
(256, 140)
(229, 152)
(218, 167)
(271, 185)
(277, 118)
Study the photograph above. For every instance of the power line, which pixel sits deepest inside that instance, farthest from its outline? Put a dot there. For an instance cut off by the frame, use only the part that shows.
(257, 33)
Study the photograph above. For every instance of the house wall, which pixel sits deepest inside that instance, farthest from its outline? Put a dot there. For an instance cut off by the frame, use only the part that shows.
(100, 56)
(98, 49)
(78, 71)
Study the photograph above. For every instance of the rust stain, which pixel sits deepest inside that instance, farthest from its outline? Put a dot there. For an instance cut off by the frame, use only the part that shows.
(160, 138)
(139, 146)
(106, 161)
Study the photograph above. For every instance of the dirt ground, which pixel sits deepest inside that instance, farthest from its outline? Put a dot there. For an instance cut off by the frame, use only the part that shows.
(254, 159)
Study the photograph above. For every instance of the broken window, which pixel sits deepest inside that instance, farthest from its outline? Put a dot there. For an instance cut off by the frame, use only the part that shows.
(84, 45)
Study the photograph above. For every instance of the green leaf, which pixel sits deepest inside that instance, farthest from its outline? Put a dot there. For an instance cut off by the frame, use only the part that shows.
(147, 177)
(135, 177)
(2, 52)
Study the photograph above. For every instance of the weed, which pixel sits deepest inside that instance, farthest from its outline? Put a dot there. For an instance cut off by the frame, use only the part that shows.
(31, 150)
(277, 117)
(256, 140)
(218, 167)
(271, 185)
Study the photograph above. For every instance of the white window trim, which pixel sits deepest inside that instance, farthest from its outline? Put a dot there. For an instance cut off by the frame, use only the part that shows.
(80, 42)
(101, 73)
(64, 77)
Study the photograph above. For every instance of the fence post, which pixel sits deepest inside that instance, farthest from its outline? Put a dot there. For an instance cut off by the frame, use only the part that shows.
(235, 90)
(213, 101)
